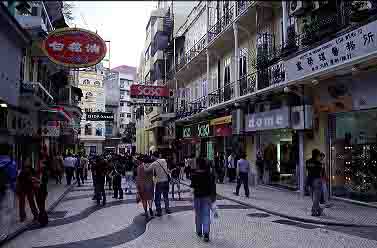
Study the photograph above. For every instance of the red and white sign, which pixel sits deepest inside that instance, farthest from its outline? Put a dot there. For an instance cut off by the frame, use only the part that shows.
(148, 91)
(223, 130)
(74, 47)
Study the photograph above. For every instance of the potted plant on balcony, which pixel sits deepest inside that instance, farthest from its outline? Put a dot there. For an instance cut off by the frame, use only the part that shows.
(359, 11)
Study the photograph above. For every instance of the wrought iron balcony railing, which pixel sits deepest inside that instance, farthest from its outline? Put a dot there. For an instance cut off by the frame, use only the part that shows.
(222, 23)
(221, 95)
(324, 27)
(274, 74)
(192, 53)
(248, 83)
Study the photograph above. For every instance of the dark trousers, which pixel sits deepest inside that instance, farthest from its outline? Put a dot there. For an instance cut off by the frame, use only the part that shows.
(69, 171)
(316, 195)
(220, 175)
(80, 175)
(41, 196)
(100, 189)
(94, 185)
(232, 174)
(30, 197)
(117, 186)
(162, 188)
(243, 179)
(176, 181)
(108, 181)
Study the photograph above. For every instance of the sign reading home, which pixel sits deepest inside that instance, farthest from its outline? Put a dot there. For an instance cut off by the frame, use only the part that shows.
(355, 44)
(99, 116)
(274, 119)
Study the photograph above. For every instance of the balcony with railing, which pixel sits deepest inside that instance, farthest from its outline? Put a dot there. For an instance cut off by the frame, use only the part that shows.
(328, 23)
(192, 53)
(36, 91)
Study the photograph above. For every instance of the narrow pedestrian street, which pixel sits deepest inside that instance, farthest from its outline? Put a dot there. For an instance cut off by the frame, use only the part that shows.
(78, 222)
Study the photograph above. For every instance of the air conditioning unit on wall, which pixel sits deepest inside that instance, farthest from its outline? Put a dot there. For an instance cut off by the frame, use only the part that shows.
(297, 117)
(297, 7)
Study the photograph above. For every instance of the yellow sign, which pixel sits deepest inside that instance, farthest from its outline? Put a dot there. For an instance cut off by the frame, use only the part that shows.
(221, 120)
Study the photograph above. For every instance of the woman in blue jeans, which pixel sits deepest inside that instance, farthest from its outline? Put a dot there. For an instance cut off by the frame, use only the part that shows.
(204, 196)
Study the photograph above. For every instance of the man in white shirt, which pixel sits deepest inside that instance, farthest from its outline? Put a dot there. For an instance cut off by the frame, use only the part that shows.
(69, 166)
(160, 168)
(231, 167)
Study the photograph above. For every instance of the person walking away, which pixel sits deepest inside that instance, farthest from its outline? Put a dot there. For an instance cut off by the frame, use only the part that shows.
(25, 189)
(175, 180)
(325, 193)
(100, 171)
(129, 174)
(79, 171)
(188, 168)
(231, 167)
(57, 167)
(41, 193)
(108, 180)
(69, 166)
(260, 167)
(92, 166)
(117, 180)
(204, 185)
(314, 168)
(159, 166)
(85, 165)
(145, 185)
(243, 169)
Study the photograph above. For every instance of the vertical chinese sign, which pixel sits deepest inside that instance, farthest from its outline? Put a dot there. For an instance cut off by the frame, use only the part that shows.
(74, 47)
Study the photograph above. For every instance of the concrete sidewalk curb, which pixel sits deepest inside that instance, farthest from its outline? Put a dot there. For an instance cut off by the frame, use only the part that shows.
(306, 220)
(30, 223)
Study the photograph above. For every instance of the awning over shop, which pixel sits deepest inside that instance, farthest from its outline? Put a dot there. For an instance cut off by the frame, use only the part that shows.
(55, 114)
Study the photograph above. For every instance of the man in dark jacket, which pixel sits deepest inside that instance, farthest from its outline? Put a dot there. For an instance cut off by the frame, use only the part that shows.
(314, 168)
(101, 169)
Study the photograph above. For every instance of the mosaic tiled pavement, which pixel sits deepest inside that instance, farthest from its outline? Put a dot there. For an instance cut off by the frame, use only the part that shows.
(78, 222)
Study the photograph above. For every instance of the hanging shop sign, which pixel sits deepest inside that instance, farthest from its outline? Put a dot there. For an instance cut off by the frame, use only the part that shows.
(223, 130)
(274, 119)
(348, 47)
(221, 120)
(74, 47)
(187, 132)
(148, 91)
(203, 130)
(99, 116)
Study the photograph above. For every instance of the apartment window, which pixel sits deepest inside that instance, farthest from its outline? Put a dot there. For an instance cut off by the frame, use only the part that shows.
(34, 11)
(204, 88)
(88, 95)
(121, 126)
(98, 131)
(227, 75)
(122, 83)
(128, 115)
(122, 115)
(86, 81)
(122, 104)
(243, 63)
(88, 129)
(97, 83)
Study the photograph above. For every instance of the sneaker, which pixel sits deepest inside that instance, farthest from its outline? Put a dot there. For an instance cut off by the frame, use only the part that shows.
(151, 212)
(199, 234)
(206, 237)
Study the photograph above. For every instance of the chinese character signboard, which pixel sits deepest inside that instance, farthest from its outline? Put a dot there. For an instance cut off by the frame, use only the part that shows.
(350, 46)
(74, 47)
(274, 119)
(99, 116)
(148, 91)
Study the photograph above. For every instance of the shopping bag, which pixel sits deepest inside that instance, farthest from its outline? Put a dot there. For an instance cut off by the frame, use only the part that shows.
(214, 210)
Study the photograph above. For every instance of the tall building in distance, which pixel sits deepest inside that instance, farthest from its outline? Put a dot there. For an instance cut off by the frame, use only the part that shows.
(92, 133)
(118, 101)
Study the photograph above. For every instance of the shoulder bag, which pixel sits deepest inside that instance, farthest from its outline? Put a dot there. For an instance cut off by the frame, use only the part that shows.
(167, 174)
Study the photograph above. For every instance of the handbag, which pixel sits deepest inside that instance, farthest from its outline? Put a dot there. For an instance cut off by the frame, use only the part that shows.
(169, 178)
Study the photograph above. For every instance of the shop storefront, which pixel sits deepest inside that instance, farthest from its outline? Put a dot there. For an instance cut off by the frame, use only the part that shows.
(198, 140)
(277, 144)
(222, 131)
(352, 136)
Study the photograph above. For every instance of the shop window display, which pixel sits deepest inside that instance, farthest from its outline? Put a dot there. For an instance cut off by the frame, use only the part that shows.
(279, 150)
(354, 155)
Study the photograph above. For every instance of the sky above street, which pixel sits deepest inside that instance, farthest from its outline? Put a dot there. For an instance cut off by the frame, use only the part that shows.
(121, 22)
